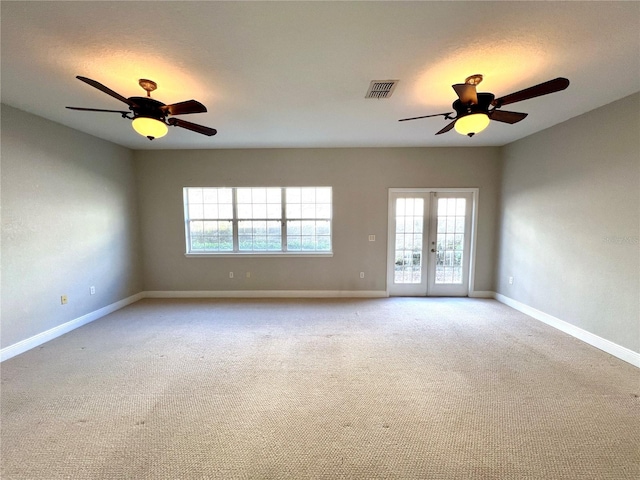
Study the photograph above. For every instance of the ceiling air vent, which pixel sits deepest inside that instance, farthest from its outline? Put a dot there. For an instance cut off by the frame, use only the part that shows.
(381, 88)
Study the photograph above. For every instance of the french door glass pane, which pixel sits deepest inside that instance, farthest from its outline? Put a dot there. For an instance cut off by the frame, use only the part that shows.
(408, 242)
(450, 240)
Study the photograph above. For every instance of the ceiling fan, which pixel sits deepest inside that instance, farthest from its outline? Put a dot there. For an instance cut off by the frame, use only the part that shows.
(474, 110)
(150, 116)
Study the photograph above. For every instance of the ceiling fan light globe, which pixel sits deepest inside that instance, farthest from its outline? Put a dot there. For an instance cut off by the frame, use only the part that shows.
(472, 124)
(149, 127)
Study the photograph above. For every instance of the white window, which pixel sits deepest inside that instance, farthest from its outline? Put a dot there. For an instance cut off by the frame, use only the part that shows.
(258, 220)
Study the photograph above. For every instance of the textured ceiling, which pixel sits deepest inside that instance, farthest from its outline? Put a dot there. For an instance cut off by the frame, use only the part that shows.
(294, 74)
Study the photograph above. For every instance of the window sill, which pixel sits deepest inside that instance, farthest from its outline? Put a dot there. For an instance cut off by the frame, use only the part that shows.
(260, 255)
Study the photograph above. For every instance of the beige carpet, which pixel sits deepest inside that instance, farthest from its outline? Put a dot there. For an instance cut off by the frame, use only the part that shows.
(329, 389)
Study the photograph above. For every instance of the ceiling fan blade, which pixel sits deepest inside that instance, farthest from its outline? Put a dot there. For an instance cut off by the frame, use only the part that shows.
(545, 88)
(182, 108)
(445, 115)
(447, 128)
(106, 90)
(506, 116)
(466, 93)
(176, 122)
(98, 110)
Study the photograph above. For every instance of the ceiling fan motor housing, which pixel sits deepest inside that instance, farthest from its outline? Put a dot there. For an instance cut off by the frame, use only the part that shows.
(148, 107)
(484, 102)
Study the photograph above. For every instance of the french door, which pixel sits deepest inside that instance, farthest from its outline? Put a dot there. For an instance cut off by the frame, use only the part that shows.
(430, 237)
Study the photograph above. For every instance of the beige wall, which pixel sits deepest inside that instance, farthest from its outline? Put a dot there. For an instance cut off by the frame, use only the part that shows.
(79, 211)
(69, 221)
(570, 222)
(360, 178)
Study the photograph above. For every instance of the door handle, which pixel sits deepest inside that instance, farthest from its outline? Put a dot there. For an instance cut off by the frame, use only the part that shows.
(433, 250)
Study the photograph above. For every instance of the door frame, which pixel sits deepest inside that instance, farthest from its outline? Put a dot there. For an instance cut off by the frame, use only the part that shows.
(475, 193)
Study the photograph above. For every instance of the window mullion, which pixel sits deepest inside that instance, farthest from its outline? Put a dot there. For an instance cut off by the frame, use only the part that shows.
(234, 222)
(187, 219)
(283, 218)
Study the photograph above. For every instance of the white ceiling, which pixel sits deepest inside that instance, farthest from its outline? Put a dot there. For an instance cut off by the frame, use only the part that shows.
(294, 74)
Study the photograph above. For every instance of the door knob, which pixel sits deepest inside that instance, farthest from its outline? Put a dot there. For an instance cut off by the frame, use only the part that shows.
(433, 250)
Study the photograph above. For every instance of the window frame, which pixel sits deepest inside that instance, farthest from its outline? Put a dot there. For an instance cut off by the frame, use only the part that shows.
(235, 221)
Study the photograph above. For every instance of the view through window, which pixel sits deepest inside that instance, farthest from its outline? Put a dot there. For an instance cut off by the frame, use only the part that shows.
(258, 219)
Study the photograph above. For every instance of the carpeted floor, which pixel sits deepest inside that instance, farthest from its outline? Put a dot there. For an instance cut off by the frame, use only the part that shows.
(399, 388)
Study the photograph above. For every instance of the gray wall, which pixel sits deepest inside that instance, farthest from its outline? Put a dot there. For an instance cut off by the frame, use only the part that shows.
(69, 221)
(570, 222)
(360, 178)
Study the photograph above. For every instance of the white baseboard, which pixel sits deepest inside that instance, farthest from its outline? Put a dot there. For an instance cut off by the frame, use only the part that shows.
(268, 294)
(608, 346)
(37, 340)
(603, 344)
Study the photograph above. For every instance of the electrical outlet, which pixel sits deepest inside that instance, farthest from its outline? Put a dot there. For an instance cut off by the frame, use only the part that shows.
(92, 290)
(361, 274)
(63, 300)
(510, 280)
(230, 274)
(248, 274)
(372, 238)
